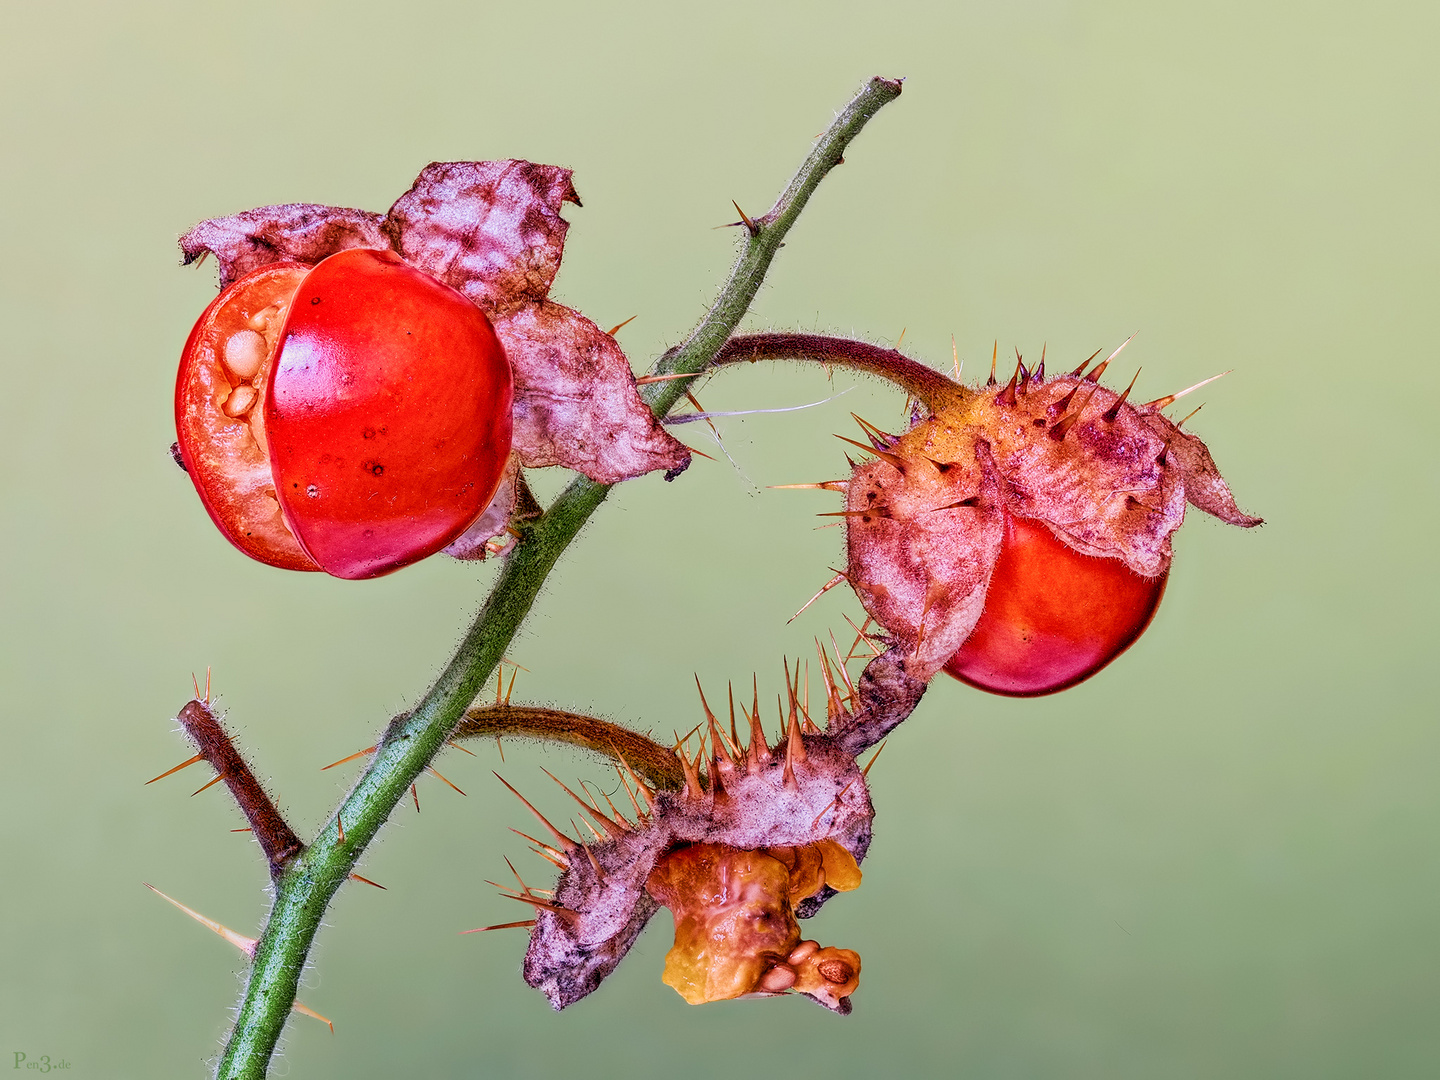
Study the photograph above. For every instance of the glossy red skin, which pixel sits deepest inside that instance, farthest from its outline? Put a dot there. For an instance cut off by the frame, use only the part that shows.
(1053, 617)
(387, 414)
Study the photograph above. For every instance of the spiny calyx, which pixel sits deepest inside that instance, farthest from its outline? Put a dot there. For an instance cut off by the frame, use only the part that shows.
(756, 837)
(1017, 536)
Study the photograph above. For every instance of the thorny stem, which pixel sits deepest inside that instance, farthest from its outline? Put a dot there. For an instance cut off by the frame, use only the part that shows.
(305, 889)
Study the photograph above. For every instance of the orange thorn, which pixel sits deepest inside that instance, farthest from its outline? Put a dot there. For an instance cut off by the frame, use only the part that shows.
(499, 684)
(511, 687)
(500, 926)
(895, 460)
(340, 828)
(240, 941)
(1170, 399)
(835, 803)
(1007, 396)
(792, 692)
(564, 912)
(699, 453)
(955, 358)
(211, 784)
(1121, 346)
(824, 485)
(759, 751)
(499, 748)
(566, 844)
(836, 580)
(555, 855)
(693, 790)
(860, 636)
(643, 379)
(547, 858)
(794, 750)
(1097, 371)
(735, 750)
(177, 768)
(436, 773)
(352, 757)
(415, 794)
(1086, 364)
(247, 829)
(750, 226)
(523, 887)
(305, 1010)
(1038, 375)
(1061, 427)
(876, 435)
(640, 784)
(866, 771)
(367, 881)
(994, 355)
(1113, 413)
(457, 746)
(611, 827)
(901, 337)
(709, 716)
(625, 783)
(805, 702)
(620, 818)
(833, 703)
(1191, 413)
(620, 326)
(595, 865)
(850, 686)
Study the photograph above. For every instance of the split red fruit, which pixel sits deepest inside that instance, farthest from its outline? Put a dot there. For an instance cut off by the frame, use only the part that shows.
(353, 417)
(1053, 616)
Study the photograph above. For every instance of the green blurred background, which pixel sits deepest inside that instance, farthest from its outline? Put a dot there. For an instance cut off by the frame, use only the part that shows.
(1217, 858)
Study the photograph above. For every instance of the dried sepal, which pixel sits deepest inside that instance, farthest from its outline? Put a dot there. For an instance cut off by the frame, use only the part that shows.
(927, 516)
(490, 534)
(788, 825)
(492, 231)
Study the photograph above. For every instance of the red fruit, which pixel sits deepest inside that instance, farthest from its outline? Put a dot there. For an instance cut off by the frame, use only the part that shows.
(1053, 616)
(1019, 537)
(353, 418)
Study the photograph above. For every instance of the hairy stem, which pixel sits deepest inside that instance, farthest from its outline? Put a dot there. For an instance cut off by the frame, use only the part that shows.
(304, 891)
(655, 763)
(922, 383)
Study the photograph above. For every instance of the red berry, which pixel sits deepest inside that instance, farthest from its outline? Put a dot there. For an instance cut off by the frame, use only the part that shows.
(1053, 616)
(353, 418)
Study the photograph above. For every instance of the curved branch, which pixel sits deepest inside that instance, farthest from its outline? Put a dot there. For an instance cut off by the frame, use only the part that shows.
(923, 383)
(304, 891)
(649, 759)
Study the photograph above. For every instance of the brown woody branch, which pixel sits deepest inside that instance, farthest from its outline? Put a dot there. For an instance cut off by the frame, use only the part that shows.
(276, 838)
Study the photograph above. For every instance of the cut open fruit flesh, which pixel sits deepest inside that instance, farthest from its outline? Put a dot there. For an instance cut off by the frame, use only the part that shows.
(219, 409)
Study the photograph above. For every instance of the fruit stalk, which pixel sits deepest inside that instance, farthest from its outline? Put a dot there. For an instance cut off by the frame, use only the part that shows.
(304, 891)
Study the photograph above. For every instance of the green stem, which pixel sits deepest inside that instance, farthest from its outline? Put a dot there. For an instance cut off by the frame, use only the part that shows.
(304, 891)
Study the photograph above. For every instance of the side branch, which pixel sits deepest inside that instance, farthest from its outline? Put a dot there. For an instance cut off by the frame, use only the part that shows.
(925, 384)
(648, 758)
(276, 838)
